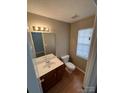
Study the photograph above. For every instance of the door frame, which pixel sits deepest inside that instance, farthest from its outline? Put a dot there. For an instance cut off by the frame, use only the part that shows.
(91, 59)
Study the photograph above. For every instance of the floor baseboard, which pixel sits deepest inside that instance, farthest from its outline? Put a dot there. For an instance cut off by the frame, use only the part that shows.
(80, 70)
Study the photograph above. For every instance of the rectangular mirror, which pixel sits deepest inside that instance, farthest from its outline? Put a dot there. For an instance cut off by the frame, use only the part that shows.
(49, 43)
(43, 43)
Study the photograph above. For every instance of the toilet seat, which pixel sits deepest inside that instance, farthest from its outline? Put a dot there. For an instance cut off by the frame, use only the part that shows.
(70, 65)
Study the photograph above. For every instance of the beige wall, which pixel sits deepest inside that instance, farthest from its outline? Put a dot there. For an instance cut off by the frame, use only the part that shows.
(66, 35)
(61, 29)
(84, 23)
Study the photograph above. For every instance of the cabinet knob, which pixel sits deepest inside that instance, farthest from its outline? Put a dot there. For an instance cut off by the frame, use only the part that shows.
(42, 80)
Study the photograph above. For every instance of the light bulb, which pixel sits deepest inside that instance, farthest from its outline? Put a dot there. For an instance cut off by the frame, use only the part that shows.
(42, 28)
(47, 29)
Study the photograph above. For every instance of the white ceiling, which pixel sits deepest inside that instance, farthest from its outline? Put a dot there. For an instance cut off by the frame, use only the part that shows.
(62, 10)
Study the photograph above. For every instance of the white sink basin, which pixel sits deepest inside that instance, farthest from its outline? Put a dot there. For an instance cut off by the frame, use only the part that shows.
(43, 67)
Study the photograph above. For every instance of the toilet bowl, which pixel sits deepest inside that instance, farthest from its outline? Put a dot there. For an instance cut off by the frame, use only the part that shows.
(69, 66)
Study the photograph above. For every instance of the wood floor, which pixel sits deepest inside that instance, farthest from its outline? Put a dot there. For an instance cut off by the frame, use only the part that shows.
(70, 83)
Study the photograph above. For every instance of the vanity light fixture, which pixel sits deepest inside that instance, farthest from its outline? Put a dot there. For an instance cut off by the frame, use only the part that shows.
(47, 29)
(36, 28)
(40, 29)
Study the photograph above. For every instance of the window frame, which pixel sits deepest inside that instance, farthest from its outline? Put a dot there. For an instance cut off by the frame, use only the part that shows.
(84, 58)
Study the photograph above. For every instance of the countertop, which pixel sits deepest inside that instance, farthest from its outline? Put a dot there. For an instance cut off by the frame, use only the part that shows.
(42, 67)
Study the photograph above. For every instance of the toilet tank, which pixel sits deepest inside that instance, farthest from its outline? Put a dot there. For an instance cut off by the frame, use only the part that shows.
(65, 58)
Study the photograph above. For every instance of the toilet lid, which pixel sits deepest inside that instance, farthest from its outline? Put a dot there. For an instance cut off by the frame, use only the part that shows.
(70, 65)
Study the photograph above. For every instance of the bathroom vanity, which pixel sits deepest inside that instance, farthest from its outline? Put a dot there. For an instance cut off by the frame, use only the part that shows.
(49, 70)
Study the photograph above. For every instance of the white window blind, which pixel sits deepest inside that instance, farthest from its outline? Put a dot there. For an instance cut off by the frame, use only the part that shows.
(83, 43)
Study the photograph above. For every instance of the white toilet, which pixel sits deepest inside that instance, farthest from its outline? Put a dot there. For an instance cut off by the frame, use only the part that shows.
(69, 66)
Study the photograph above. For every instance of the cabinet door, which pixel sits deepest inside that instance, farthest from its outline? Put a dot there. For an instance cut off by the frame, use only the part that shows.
(48, 80)
(59, 72)
(51, 78)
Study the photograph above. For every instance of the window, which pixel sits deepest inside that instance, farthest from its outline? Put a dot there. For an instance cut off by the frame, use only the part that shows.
(83, 43)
